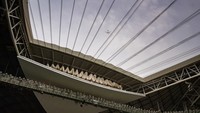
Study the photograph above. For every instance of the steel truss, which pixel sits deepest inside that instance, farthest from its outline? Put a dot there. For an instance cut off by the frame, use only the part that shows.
(192, 95)
(165, 81)
(16, 24)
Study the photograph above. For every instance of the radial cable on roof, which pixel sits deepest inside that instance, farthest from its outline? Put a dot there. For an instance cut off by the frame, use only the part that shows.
(92, 26)
(80, 24)
(116, 27)
(161, 37)
(34, 26)
(99, 27)
(50, 21)
(72, 13)
(196, 49)
(61, 8)
(164, 51)
(41, 21)
(141, 31)
(120, 29)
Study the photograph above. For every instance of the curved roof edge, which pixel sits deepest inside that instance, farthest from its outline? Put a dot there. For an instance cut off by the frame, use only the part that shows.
(86, 57)
(98, 61)
(68, 51)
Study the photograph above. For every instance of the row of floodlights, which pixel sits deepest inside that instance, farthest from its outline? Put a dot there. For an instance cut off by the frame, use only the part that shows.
(86, 76)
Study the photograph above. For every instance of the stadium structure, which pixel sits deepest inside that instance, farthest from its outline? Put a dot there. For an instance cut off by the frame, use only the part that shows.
(39, 76)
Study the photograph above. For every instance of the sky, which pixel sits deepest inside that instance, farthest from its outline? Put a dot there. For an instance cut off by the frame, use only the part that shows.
(140, 36)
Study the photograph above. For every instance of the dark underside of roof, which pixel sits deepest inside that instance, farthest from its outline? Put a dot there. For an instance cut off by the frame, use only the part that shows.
(16, 100)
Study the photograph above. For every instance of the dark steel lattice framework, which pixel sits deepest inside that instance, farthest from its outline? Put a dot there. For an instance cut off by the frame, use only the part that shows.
(170, 79)
(17, 29)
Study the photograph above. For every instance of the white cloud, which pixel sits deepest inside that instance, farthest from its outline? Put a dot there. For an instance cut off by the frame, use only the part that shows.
(146, 12)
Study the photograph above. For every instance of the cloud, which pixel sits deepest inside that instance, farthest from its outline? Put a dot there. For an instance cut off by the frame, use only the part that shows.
(146, 12)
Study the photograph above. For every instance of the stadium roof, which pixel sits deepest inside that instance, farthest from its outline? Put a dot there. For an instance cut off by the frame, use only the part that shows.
(174, 93)
(141, 37)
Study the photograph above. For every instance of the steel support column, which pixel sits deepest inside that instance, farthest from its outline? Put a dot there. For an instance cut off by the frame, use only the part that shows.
(15, 21)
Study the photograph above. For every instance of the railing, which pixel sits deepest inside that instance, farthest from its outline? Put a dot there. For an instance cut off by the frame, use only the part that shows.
(77, 96)
(69, 94)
